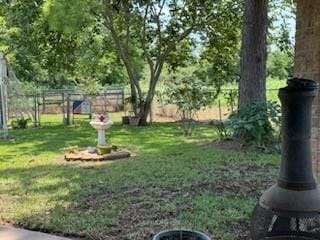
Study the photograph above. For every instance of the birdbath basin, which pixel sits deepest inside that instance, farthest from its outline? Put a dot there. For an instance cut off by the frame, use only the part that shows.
(101, 123)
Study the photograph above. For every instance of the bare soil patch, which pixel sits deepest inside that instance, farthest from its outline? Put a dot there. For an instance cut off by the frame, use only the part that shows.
(229, 145)
(146, 214)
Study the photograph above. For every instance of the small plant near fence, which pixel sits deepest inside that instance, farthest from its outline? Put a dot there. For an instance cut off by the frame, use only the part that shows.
(189, 94)
(222, 129)
(20, 123)
(231, 96)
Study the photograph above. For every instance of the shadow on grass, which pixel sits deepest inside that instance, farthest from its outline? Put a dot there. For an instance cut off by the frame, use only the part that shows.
(83, 202)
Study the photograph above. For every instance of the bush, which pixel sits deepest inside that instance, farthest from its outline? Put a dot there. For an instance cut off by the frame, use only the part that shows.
(231, 98)
(222, 129)
(189, 93)
(256, 123)
(20, 123)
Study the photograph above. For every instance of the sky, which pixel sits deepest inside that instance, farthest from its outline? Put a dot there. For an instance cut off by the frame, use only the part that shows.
(292, 27)
(290, 21)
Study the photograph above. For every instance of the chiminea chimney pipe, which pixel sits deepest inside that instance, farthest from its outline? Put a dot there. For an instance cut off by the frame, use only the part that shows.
(296, 165)
(296, 189)
(290, 209)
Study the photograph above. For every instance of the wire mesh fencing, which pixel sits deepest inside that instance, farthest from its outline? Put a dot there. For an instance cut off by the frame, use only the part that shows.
(60, 102)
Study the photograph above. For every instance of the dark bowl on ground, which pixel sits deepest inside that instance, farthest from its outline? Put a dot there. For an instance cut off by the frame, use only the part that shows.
(176, 234)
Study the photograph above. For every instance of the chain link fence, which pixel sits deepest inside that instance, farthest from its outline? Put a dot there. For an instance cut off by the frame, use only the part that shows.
(59, 102)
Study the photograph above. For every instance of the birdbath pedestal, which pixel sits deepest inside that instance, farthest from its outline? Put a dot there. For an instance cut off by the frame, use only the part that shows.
(101, 127)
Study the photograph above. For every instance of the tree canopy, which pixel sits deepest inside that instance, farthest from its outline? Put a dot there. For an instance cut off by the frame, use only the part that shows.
(59, 44)
(158, 31)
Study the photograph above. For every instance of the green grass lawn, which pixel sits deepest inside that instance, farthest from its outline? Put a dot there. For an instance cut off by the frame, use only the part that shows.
(171, 181)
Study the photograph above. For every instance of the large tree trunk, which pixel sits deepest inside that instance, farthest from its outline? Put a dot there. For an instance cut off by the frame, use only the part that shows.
(147, 103)
(252, 85)
(134, 98)
(144, 112)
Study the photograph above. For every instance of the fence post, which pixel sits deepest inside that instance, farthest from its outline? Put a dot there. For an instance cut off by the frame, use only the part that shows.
(68, 109)
(38, 110)
(220, 115)
(3, 95)
(232, 99)
(123, 100)
(43, 101)
(63, 109)
(35, 120)
(105, 100)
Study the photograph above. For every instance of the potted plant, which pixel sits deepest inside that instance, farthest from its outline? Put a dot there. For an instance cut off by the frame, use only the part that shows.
(134, 120)
(176, 234)
(104, 149)
(125, 120)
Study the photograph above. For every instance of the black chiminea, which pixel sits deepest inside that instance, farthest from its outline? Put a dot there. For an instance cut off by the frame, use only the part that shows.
(290, 209)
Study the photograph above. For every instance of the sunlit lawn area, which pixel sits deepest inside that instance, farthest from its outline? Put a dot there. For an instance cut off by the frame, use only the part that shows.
(170, 179)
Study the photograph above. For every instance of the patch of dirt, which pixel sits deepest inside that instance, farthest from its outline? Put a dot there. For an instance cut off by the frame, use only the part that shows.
(238, 181)
(146, 215)
(240, 229)
(233, 145)
(94, 201)
(238, 145)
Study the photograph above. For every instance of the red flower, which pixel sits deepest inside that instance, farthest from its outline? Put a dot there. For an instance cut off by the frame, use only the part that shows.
(101, 118)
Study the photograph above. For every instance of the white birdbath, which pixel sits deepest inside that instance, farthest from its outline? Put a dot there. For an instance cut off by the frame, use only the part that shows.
(101, 127)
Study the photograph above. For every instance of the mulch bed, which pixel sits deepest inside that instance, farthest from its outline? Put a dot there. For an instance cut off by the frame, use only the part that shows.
(85, 155)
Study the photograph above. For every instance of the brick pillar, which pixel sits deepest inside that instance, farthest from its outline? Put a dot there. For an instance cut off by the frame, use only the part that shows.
(307, 61)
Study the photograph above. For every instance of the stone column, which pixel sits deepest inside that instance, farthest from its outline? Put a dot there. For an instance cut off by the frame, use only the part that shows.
(307, 61)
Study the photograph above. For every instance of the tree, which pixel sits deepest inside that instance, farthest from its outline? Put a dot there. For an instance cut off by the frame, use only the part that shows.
(55, 58)
(280, 39)
(155, 27)
(259, 17)
(158, 34)
(280, 65)
(252, 85)
(281, 14)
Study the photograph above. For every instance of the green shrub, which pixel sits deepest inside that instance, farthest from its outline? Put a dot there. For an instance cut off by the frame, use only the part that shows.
(231, 98)
(222, 129)
(256, 123)
(189, 93)
(20, 123)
